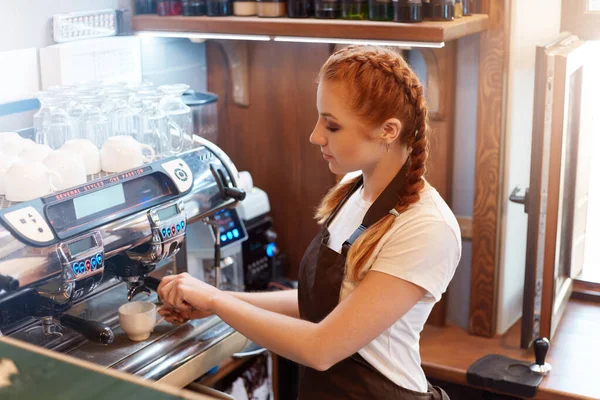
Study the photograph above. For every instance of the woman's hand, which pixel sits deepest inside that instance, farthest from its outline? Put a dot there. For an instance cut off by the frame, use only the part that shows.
(173, 316)
(186, 296)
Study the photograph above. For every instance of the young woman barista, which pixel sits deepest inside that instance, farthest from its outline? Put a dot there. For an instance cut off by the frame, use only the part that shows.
(387, 250)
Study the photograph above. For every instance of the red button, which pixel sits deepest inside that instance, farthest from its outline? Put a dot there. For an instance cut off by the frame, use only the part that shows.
(173, 230)
(88, 265)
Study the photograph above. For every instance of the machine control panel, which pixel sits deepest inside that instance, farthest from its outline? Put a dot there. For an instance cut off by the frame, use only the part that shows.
(169, 224)
(230, 228)
(181, 174)
(29, 223)
(82, 256)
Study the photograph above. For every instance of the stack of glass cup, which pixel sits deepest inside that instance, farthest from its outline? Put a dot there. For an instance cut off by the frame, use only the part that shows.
(95, 112)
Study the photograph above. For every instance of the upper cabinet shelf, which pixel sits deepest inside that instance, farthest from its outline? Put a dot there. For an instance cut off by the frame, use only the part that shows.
(427, 31)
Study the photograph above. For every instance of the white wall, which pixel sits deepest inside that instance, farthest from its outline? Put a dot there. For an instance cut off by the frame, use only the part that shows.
(27, 23)
(526, 33)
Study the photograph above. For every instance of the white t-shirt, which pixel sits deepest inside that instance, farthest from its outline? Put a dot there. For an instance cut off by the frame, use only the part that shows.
(423, 246)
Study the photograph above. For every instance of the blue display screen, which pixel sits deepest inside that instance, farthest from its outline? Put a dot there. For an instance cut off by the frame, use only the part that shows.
(230, 227)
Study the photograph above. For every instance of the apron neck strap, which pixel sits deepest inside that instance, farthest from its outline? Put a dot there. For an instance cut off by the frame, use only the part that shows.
(386, 201)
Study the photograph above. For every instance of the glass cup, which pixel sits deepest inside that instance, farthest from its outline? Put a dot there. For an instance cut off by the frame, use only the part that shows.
(94, 124)
(52, 124)
(121, 114)
(154, 127)
(179, 113)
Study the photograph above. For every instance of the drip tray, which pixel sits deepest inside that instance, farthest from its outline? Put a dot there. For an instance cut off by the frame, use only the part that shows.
(176, 353)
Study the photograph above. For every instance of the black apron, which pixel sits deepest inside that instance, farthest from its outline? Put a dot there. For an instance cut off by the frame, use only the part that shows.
(321, 274)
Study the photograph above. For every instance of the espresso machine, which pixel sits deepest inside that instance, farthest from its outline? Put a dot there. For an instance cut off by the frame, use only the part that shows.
(70, 259)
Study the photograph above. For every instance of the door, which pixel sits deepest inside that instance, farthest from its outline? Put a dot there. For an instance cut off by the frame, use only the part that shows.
(556, 201)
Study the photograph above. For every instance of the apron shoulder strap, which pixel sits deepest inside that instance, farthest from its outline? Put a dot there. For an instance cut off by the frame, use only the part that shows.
(386, 201)
(350, 241)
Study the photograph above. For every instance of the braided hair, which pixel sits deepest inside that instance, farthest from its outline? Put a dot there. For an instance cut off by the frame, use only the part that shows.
(380, 85)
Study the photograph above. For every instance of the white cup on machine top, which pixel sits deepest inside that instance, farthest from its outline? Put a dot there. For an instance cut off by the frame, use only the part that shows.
(13, 145)
(138, 319)
(7, 138)
(88, 152)
(6, 161)
(26, 180)
(121, 153)
(69, 166)
(35, 152)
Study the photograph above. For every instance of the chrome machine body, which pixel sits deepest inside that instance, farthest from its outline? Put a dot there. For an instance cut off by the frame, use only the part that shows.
(69, 260)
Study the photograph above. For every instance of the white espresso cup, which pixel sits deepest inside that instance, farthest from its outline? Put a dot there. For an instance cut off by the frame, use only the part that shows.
(88, 152)
(122, 152)
(12, 145)
(6, 161)
(138, 319)
(69, 166)
(26, 180)
(35, 152)
(9, 137)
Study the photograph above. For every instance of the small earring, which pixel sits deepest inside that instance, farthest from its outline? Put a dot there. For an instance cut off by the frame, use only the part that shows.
(387, 147)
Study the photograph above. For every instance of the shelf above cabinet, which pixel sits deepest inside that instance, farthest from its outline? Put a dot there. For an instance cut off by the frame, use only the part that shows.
(425, 32)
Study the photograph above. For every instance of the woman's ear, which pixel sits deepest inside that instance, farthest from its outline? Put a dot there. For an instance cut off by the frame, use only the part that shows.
(391, 130)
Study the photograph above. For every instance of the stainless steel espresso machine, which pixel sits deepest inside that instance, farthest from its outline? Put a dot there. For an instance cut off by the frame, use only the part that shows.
(69, 260)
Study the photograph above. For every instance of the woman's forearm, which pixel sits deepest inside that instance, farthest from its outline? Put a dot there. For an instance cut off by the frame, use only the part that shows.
(282, 302)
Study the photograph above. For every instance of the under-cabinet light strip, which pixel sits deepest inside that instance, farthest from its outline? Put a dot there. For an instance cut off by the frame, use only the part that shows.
(299, 39)
(296, 39)
(195, 35)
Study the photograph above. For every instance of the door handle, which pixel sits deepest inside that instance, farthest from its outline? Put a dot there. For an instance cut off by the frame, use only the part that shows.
(516, 198)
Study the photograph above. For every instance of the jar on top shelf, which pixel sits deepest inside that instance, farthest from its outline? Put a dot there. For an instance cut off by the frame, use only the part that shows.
(408, 10)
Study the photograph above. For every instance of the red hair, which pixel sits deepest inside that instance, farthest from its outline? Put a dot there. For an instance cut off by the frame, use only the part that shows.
(380, 85)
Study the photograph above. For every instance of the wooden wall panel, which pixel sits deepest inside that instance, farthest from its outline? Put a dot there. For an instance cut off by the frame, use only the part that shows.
(493, 59)
(270, 138)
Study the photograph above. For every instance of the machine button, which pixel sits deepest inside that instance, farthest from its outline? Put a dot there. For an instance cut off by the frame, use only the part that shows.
(229, 235)
(88, 265)
(173, 229)
(236, 233)
(75, 267)
(180, 172)
(81, 268)
(178, 228)
(223, 238)
(99, 259)
(164, 232)
(28, 222)
(168, 232)
(93, 263)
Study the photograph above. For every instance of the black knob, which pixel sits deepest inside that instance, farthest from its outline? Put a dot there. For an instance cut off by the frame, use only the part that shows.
(151, 283)
(235, 193)
(540, 348)
(8, 283)
(92, 330)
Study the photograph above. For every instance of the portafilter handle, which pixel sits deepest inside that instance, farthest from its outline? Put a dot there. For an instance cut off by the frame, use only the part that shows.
(8, 283)
(92, 330)
(151, 283)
